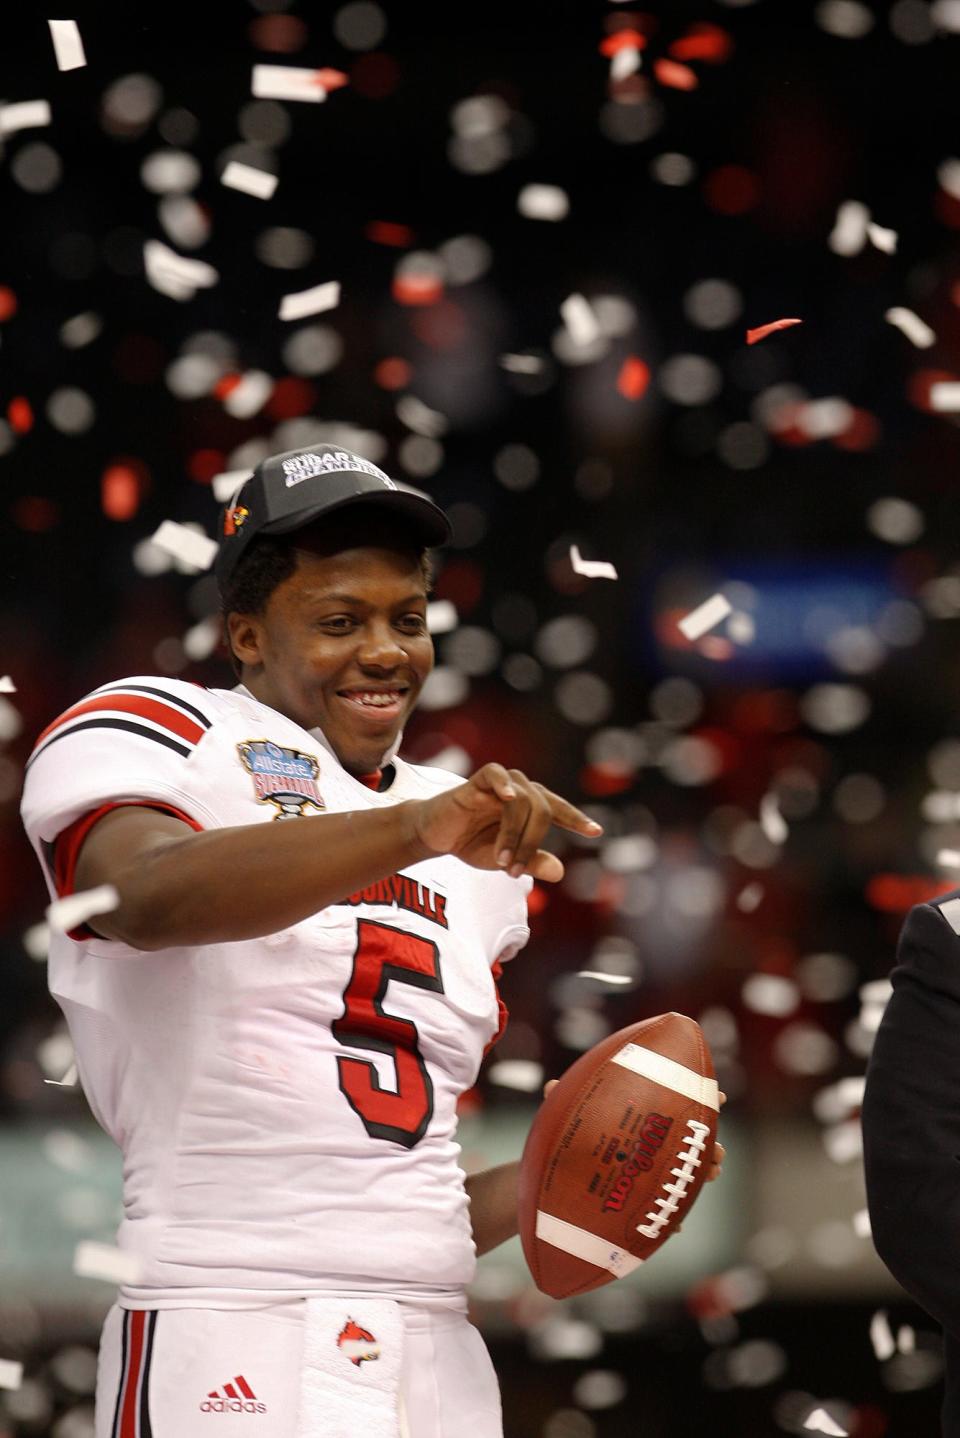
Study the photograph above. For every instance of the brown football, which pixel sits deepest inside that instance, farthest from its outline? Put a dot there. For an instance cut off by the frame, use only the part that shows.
(617, 1154)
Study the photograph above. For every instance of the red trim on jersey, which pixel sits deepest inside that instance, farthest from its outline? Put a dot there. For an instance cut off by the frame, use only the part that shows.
(372, 780)
(69, 842)
(503, 1013)
(128, 1411)
(145, 708)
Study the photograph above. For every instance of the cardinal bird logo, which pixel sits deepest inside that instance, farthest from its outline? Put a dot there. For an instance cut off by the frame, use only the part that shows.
(357, 1344)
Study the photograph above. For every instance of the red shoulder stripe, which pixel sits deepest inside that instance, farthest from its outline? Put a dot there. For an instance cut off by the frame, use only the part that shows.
(163, 714)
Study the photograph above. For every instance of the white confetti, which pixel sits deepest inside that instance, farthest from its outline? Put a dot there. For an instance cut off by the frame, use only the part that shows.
(591, 568)
(522, 364)
(885, 240)
(948, 174)
(951, 912)
(749, 898)
(174, 274)
(948, 858)
(69, 1079)
(543, 202)
(66, 914)
(912, 326)
(819, 1421)
(602, 977)
(881, 1337)
(945, 396)
(201, 639)
(310, 302)
(26, 115)
(251, 181)
(420, 417)
(442, 616)
(523, 1074)
(906, 1339)
(705, 617)
(7, 685)
(67, 44)
(181, 542)
(849, 233)
(11, 1374)
(772, 822)
(101, 1260)
(582, 324)
(250, 395)
(287, 82)
(626, 61)
(861, 1223)
(226, 484)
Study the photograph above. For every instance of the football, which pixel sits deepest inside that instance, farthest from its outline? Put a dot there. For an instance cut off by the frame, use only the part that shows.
(617, 1154)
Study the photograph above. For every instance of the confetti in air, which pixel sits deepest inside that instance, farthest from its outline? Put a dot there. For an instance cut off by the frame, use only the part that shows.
(772, 821)
(175, 275)
(883, 239)
(881, 1337)
(543, 202)
(185, 544)
(600, 976)
(761, 332)
(25, 115)
(945, 396)
(749, 898)
(580, 320)
(819, 1421)
(67, 44)
(310, 302)
(288, 82)
(950, 911)
(102, 1260)
(226, 484)
(11, 1374)
(705, 617)
(251, 181)
(7, 685)
(66, 914)
(912, 326)
(591, 568)
(69, 1079)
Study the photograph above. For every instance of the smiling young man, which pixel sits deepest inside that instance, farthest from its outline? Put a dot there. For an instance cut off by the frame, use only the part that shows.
(276, 1020)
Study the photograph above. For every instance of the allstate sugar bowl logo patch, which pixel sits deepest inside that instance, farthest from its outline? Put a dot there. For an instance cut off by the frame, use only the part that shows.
(281, 776)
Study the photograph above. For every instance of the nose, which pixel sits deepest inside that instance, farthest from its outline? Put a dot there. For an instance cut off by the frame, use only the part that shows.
(380, 647)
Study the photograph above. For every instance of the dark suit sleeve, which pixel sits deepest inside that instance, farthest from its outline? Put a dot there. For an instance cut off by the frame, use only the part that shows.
(911, 1120)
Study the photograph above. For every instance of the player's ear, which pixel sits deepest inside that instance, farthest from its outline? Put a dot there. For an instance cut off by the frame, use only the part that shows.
(245, 637)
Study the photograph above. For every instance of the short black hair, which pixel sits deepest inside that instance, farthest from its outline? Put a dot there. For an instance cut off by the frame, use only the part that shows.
(272, 558)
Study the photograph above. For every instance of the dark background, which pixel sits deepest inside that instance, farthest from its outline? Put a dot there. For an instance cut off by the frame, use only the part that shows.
(683, 495)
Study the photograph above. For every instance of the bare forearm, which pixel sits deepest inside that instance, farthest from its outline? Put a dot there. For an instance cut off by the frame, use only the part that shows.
(493, 1205)
(244, 882)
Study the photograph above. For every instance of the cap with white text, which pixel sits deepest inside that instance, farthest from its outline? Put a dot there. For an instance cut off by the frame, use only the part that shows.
(287, 491)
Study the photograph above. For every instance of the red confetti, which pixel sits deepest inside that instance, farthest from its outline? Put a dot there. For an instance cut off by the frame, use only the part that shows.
(226, 384)
(203, 464)
(634, 377)
(622, 40)
(119, 492)
(331, 79)
(291, 397)
(8, 303)
(703, 42)
(20, 415)
(731, 189)
(761, 332)
(417, 289)
(674, 76)
(393, 373)
(385, 232)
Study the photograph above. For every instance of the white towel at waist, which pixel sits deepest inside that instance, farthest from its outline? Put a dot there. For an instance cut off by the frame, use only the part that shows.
(352, 1357)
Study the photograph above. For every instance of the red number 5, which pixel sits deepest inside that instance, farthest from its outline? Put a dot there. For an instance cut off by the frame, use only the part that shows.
(383, 954)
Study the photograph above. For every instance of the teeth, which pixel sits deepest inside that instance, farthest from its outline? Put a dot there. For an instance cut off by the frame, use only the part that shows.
(375, 699)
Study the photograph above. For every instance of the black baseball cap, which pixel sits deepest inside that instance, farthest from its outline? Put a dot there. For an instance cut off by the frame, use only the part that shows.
(287, 491)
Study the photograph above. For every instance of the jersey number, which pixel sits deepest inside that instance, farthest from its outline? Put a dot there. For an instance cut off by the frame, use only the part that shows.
(383, 954)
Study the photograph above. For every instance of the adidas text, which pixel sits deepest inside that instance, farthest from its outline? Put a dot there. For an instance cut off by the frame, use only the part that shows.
(231, 1405)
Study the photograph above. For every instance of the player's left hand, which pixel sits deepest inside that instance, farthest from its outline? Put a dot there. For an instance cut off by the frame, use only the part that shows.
(717, 1157)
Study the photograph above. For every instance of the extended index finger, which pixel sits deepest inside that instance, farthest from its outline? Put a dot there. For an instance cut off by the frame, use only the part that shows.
(567, 816)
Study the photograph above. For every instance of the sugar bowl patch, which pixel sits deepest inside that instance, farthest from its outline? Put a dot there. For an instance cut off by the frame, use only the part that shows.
(282, 776)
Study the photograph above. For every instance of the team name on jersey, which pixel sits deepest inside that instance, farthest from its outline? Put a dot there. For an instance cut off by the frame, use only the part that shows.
(404, 893)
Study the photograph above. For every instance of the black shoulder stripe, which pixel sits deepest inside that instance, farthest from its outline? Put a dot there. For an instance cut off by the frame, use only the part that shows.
(161, 694)
(115, 724)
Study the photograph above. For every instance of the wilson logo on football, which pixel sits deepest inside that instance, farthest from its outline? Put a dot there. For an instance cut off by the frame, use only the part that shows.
(235, 1397)
(357, 1344)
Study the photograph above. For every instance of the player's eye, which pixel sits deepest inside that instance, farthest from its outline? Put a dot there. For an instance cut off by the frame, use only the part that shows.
(413, 623)
(337, 623)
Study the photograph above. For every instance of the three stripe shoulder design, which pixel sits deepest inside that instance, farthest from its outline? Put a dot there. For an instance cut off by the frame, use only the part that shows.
(146, 708)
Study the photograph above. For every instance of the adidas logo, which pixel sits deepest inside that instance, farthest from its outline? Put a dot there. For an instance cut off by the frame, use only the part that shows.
(236, 1397)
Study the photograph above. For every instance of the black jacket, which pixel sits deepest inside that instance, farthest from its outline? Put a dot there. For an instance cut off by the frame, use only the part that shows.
(911, 1128)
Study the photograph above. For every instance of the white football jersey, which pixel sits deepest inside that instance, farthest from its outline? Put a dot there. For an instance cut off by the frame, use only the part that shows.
(286, 1106)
